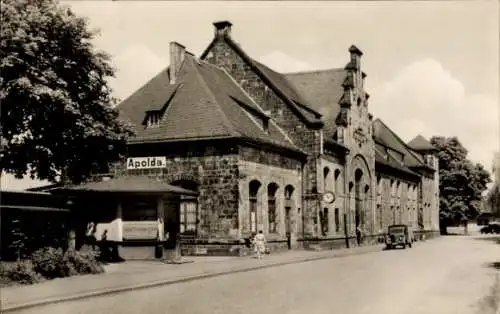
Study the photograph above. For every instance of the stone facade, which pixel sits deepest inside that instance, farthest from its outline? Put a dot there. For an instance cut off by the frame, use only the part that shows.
(222, 55)
(265, 170)
(246, 187)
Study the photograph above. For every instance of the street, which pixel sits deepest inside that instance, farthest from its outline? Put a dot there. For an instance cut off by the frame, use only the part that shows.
(445, 275)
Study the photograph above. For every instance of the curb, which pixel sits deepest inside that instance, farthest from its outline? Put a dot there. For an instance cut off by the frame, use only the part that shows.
(165, 282)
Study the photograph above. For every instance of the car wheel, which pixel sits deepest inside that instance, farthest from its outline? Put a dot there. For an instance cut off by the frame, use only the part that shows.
(404, 246)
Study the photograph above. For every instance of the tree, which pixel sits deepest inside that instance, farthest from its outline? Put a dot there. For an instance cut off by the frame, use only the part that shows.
(492, 200)
(58, 116)
(461, 182)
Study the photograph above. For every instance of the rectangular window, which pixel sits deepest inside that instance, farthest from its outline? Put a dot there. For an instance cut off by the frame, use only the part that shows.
(253, 214)
(271, 207)
(337, 220)
(140, 210)
(188, 217)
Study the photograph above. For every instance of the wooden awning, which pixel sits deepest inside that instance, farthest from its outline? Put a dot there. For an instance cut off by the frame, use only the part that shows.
(34, 208)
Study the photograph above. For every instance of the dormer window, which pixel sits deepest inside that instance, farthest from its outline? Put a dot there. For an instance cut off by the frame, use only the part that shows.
(153, 119)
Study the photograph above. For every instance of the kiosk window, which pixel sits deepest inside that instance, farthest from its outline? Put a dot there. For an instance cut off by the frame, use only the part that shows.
(139, 210)
(188, 217)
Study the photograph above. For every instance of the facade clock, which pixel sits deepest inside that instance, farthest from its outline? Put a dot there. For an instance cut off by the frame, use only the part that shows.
(328, 197)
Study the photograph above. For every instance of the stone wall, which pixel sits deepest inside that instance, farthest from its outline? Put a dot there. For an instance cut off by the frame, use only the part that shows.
(214, 168)
(266, 168)
(428, 202)
(396, 205)
(331, 178)
(223, 55)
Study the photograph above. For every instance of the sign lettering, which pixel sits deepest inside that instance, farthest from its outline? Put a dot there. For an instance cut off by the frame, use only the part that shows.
(146, 162)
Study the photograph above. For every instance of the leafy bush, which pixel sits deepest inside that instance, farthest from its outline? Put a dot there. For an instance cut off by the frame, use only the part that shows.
(84, 262)
(51, 263)
(20, 272)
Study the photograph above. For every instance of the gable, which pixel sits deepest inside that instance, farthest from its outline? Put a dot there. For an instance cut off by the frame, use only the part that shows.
(275, 81)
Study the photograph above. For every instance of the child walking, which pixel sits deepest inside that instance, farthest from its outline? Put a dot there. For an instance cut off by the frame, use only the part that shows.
(260, 244)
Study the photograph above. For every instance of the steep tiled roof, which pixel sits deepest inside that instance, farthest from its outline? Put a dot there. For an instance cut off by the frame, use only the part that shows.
(388, 160)
(385, 136)
(322, 91)
(419, 143)
(154, 93)
(206, 104)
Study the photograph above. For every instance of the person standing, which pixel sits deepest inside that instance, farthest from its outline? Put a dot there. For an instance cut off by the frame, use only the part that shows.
(90, 238)
(260, 244)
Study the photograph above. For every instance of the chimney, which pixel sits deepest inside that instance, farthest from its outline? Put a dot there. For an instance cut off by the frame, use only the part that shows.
(177, 53)
(355, 56)
(222, 28)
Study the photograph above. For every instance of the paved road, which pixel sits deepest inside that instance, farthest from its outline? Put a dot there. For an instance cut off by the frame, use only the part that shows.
(442, 276)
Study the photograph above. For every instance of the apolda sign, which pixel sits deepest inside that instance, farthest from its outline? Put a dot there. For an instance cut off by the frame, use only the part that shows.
(146, 162)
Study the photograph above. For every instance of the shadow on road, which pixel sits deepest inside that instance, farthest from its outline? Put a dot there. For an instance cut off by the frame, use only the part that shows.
(494, 239)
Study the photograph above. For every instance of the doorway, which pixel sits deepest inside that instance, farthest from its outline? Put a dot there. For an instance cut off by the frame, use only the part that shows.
(181, 218)
(358, 204)
(288, 226)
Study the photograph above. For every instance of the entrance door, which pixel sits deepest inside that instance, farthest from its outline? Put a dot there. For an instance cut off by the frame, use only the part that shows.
(172, 226)
(288, 226)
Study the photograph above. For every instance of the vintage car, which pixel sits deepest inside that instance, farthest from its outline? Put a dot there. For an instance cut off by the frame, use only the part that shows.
(491, 228)
(399, 235)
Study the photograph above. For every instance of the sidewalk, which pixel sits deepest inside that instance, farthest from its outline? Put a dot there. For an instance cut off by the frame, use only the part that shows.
(126, 277)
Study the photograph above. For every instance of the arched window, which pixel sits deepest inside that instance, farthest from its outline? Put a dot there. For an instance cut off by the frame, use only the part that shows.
(326, 172)
(271, 207)
(337, 220)
(380, 217)
(289, 192)
(379, 185)
(337, 181)
(254, 187)
(323, 216)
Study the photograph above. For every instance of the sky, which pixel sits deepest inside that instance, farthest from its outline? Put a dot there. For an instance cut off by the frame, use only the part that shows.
(432, 67)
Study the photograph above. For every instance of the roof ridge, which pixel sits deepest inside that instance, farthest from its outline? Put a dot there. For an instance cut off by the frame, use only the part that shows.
(227, 123)
(313, 71)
